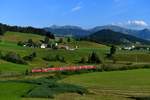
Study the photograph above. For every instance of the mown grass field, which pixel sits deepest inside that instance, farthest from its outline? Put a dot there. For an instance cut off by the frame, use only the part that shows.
(13, 91)
(112, 85)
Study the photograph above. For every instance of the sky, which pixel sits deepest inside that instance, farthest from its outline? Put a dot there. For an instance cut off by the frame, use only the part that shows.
(84, 13)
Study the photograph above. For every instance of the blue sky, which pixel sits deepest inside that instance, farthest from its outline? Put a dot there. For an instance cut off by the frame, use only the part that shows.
(85, 13)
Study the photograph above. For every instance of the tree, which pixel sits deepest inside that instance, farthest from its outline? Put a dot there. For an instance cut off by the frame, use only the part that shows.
(27, 72)
(112, 50)
(83, 60)
(61, 40)
(34, 54)
(46, 40)
(30, 42)
(1, 31)
(68, 39)
(20, 43)
(30, 57)
(93, 58)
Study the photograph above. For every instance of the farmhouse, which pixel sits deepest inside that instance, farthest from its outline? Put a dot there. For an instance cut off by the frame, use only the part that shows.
(63, 47)
(43, 46)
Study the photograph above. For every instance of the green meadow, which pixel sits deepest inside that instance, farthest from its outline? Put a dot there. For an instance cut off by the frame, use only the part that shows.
(113, 85)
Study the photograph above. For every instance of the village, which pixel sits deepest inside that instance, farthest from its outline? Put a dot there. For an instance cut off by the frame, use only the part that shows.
(135, 47)
(59, 43)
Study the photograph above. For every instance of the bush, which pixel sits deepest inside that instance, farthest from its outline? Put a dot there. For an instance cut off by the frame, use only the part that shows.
(30, 57)
(83, 60)
(13, 57)
(20, 43)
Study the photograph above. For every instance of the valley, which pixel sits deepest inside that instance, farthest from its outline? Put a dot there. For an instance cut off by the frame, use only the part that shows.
(108, 82)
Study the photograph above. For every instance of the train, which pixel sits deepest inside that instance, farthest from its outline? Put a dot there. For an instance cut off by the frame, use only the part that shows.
(69, 68)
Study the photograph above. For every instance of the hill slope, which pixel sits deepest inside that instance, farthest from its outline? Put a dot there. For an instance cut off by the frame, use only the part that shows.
(112, 37)
(38, 31)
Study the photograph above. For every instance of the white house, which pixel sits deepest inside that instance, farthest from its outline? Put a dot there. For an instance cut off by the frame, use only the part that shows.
(43, 46)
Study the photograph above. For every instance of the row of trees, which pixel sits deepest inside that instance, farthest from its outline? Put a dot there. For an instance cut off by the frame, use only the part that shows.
(4, 28)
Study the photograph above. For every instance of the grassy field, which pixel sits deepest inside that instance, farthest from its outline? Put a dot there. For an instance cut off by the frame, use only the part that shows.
(112, 85)
(13, 91)
(17, 36)
(9, 44)
(102, 85)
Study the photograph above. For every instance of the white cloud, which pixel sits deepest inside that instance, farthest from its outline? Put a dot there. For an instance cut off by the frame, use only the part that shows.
(76, 8)
(137, 23)
(134, 24)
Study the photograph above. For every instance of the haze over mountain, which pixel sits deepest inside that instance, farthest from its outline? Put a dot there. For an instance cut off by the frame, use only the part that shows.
(78, 31)
(68, 30)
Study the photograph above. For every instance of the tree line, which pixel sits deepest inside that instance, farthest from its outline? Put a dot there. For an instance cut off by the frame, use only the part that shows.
(29, 29)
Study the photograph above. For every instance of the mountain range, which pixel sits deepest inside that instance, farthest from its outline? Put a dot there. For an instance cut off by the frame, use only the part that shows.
(78, 31)
(107, 36)
(68, 30)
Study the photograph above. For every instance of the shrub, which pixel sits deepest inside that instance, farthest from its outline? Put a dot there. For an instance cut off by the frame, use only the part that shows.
(30, 57)
(13, 57)
(20, 43)
(83, 60)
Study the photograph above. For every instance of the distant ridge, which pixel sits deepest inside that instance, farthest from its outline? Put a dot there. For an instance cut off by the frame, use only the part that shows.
(78, 31)
(107, 36)
(68, 30)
